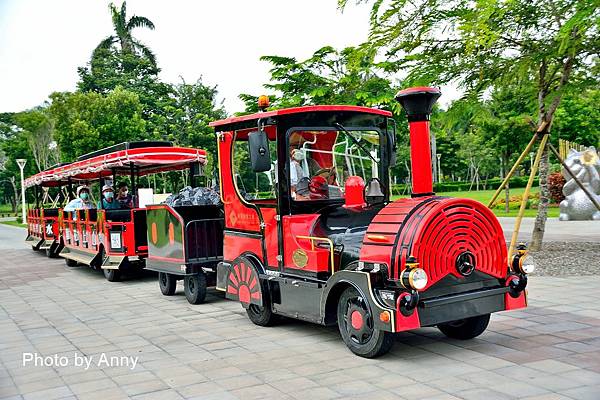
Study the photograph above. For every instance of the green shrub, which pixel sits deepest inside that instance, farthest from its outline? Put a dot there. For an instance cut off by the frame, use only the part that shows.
(515, 182)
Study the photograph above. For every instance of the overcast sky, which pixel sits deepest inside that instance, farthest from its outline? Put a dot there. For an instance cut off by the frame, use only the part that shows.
(42, 42)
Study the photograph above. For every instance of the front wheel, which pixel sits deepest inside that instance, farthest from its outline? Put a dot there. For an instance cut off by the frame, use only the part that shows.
(465, 329)
(356, 324)
(195, 288)
(112, 275)
(167, 283)
(262, 315)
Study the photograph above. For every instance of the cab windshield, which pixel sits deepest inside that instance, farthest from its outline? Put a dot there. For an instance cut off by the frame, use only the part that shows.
(320, 162)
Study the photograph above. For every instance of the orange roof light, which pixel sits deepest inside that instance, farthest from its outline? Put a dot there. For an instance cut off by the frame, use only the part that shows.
(263, 102)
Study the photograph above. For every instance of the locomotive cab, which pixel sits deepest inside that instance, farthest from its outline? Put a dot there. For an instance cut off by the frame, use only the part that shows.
(311, 233)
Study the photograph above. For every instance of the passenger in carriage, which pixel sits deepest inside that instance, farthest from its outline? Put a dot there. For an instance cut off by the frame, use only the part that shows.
(123, 197)
(108, 201)
(82, 202)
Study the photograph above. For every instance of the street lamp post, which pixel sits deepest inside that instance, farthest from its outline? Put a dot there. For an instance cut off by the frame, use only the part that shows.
(21, 163)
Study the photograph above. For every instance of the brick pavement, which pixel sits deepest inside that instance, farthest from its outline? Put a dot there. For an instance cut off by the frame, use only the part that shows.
(211, 351)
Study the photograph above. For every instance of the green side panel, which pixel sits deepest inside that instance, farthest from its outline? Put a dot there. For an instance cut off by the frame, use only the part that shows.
(165, 241)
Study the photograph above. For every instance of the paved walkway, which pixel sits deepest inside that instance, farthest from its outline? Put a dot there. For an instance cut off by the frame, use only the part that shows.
(570, 231)
(212, 351)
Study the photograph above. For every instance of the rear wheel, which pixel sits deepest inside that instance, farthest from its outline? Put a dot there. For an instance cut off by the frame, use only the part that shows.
(465, 329)
(167, 283)
(51, 253)
(112, 275)
(356, 324)
(70, 263)
(195, 288)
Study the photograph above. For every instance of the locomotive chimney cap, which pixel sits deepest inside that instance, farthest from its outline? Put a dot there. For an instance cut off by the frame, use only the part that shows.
(418, 102)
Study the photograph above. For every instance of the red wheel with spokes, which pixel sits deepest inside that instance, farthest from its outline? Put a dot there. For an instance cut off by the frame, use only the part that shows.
(243, 284)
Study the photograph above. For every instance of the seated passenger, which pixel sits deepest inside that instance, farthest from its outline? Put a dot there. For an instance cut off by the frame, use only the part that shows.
(296, 171)
(123, 196)
(108, 201)
(82, 202)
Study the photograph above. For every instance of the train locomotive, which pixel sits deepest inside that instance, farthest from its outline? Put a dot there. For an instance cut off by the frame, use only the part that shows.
(326, 244)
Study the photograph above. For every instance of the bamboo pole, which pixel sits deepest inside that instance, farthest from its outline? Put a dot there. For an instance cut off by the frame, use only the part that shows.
(513, 169)
(534, 168)
(577, 181)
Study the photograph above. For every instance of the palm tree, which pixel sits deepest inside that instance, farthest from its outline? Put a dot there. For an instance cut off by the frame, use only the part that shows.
(123, 36)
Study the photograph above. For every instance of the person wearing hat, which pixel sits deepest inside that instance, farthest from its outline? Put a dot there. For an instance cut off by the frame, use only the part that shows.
(82, 202)
(108, 202)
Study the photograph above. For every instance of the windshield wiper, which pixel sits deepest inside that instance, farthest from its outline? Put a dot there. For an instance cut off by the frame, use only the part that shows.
(355, 141)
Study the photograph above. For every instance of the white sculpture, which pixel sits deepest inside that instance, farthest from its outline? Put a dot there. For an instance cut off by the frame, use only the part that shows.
(585, 165)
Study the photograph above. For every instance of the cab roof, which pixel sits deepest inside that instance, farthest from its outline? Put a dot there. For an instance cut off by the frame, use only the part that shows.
(221, 124)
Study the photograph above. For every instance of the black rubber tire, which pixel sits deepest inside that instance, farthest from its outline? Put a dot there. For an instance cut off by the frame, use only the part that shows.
(50, 253)
(70, 263)
(167, 283)
(194, 287)
(262, 315)
(112, 275)
(465, 329)
(377, 343)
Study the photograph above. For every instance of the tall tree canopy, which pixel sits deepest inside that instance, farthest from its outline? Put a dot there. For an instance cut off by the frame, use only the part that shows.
(37, 128)
(123, 35)
(90, 121)
(483, 44)
(176, 112)
(329, 76)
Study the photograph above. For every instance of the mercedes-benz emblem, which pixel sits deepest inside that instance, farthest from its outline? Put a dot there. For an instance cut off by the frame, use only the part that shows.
(465, 263)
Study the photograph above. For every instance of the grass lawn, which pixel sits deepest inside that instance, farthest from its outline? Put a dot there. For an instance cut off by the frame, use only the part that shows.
(13, 223)
(6, 208)
(484, 196)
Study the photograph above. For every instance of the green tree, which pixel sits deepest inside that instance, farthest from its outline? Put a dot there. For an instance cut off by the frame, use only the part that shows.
(110, 69)
(194, 107)
(123, 36)
(505, 120)
(330, 76)
(485, 44)
(13, 145)
(578, 118)
(38, 130)
(85, 122)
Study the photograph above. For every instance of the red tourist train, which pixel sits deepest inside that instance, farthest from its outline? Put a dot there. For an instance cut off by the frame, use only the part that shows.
(113, 240)
(307, 230)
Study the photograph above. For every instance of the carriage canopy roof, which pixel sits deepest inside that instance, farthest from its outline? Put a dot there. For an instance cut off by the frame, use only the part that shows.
(143, 157)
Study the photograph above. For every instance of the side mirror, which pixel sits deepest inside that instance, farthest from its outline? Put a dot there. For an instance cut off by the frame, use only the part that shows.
(258, 147)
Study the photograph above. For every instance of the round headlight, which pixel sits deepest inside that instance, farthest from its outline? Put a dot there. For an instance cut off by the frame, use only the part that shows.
(417, 278)
(526, 264)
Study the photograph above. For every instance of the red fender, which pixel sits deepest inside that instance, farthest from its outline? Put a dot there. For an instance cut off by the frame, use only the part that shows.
(243, 283)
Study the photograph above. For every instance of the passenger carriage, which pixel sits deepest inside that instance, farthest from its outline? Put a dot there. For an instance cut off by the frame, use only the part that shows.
(43, 229)
(111, 240)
